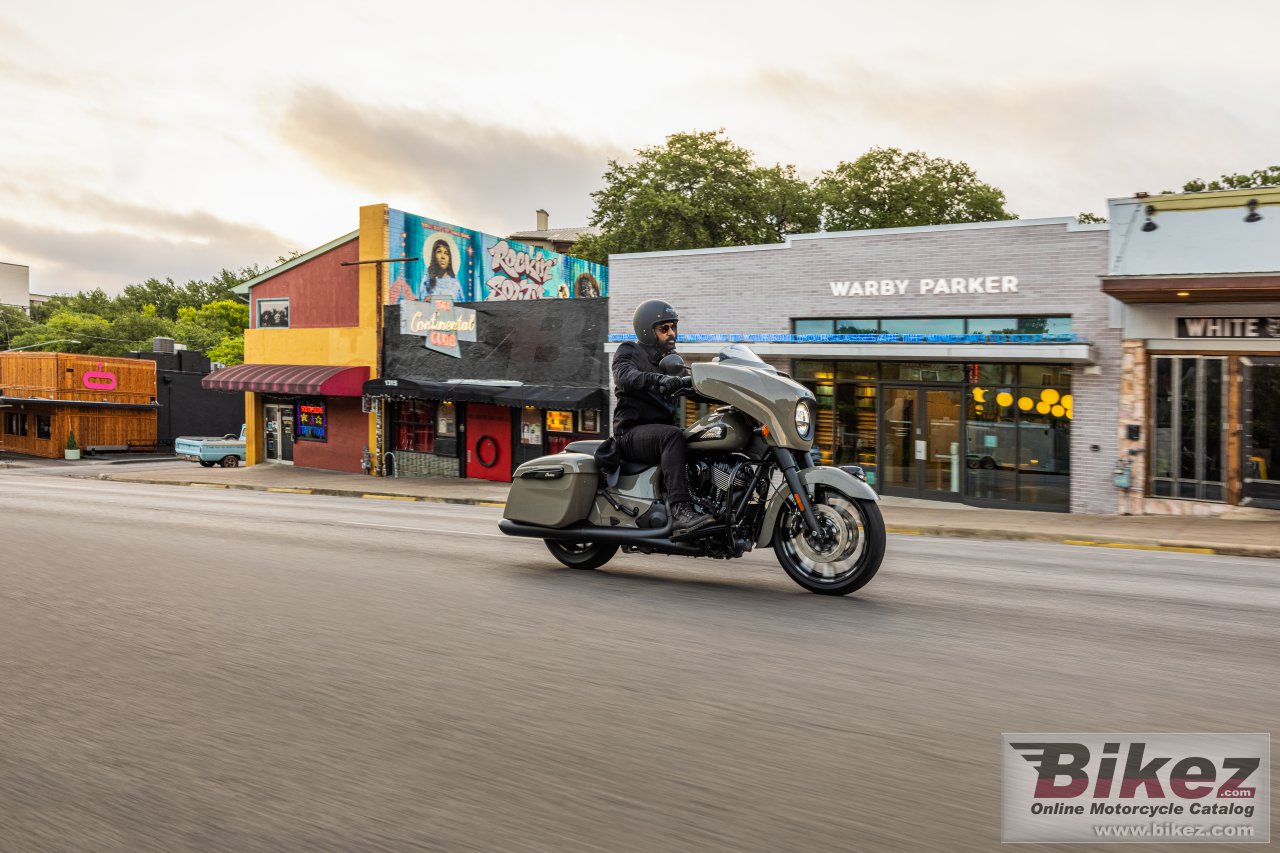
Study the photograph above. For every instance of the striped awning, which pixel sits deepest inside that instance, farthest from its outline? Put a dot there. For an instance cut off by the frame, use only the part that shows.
(317, 379)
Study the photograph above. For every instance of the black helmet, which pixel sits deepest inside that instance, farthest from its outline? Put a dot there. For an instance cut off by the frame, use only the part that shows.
(650, 314)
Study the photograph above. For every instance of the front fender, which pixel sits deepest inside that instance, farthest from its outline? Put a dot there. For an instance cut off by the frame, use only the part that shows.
(822, 475)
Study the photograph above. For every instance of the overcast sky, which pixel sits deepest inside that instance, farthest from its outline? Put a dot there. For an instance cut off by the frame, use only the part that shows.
(173, 139)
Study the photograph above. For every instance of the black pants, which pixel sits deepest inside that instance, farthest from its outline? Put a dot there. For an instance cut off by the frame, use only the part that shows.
(659, 444)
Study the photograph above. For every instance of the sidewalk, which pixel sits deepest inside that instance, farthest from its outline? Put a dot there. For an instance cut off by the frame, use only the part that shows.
(1246, 532)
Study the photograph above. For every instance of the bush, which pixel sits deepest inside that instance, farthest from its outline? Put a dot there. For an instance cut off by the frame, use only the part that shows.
(71, 441)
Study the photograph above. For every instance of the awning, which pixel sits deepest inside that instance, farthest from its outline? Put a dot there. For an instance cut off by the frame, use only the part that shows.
(93, 404)
(318, 379)
(541, 396)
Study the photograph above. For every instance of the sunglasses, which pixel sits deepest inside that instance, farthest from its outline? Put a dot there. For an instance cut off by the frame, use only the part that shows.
(666, 327)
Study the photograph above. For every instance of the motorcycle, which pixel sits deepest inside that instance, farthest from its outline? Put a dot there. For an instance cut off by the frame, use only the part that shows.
(749, 467)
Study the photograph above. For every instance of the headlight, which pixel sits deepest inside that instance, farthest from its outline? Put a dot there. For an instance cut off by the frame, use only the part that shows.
(804, 419)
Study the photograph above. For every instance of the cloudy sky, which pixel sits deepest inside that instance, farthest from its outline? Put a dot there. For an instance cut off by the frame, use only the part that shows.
(173, 139)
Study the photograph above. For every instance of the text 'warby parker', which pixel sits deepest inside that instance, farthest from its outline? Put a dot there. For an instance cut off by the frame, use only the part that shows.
(926, 286)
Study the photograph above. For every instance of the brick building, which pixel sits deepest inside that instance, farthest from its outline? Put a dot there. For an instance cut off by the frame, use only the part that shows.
(976, 362)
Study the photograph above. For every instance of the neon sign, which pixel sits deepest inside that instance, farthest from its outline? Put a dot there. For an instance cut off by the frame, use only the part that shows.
(312, 423)
(99, 380)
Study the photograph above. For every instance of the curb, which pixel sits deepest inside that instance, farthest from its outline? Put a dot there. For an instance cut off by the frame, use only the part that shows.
(335, 493)
(1166, 545)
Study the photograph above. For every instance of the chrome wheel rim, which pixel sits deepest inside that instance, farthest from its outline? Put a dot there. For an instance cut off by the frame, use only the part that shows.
(838, 556)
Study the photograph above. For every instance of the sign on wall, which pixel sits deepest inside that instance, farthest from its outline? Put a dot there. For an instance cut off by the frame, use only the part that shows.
(439, 323)
(312, 423)
(559, 421)
(1229, 327)
(470, 266)
(949, 286)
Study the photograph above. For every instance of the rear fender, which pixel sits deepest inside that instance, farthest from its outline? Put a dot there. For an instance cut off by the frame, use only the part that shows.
(822, 475)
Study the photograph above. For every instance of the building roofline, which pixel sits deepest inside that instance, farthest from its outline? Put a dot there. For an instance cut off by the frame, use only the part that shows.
(243, 287)
(1069, 221)
(1206, 200)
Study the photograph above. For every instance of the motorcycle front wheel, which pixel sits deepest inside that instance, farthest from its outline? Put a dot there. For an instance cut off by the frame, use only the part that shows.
(581, 555)
(846, 558)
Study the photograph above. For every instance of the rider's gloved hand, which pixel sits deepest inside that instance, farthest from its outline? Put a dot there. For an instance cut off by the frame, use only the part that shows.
(670, 385)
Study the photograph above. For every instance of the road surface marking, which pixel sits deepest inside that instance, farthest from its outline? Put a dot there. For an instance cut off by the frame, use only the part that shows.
(390, 497)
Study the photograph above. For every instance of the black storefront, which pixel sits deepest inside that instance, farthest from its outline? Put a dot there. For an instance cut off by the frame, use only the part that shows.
(535, 378)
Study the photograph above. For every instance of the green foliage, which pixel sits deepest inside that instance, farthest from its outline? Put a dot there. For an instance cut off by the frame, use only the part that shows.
(200, 314)
(698, 190)
(13, 321)
(229, 351)
(1268, 177)
(1086, 218)
(71, 440)
(701, 190)
(890, 188)
(206, 327)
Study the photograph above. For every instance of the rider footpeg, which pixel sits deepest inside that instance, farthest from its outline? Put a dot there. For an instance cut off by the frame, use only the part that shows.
(698, 533)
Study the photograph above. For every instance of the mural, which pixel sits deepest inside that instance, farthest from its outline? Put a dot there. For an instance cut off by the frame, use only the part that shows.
(462, 265)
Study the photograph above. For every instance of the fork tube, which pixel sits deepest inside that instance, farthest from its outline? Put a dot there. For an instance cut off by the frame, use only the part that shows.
(787, 464)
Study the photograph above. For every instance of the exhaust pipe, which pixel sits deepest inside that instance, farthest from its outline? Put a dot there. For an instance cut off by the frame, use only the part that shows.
(587, 532)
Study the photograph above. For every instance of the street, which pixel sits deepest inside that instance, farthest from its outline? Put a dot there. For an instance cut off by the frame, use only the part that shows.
(195, 669)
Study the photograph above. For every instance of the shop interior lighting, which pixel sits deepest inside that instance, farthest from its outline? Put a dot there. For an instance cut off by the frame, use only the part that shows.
(1184, 293)
(1254, 215)
(1150, 225)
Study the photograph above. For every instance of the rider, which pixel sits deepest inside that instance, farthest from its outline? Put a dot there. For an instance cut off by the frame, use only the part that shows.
(644, 418)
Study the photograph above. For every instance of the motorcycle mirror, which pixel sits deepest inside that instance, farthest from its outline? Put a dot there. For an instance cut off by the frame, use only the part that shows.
(672, 364)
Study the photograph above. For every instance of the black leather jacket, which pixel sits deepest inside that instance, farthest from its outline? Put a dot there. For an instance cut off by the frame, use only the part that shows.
(637, 382)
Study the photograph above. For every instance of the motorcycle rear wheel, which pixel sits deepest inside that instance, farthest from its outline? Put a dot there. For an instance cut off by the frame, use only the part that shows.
(581, 555)
(850, 558)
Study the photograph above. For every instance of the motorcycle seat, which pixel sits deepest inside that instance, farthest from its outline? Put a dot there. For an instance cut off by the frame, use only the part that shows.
(627, 469)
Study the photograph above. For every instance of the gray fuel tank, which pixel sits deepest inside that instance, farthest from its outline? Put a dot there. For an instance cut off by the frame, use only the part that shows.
(724, 429)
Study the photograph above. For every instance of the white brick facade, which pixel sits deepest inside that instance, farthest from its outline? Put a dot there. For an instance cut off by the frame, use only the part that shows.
(761, 289)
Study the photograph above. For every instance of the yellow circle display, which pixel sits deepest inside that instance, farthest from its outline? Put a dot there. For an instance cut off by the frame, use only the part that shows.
(977, 394)
(1004, 398)
(1058, 411)
(1049, 396)
(1069, 417)
(1025, 403)
(1066, 400)
(1042, 407)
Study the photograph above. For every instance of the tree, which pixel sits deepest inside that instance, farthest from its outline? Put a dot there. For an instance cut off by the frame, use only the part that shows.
(890, 188)
(229, 351)
(13, 321)
(698, 190)
(1268, 177)
(1086, 218)
(206, 327)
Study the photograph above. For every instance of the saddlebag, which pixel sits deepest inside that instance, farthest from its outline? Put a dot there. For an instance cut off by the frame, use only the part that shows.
(553, 491)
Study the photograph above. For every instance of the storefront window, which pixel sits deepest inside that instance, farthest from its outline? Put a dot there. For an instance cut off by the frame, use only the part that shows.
(531, 426)
(917, 371)
(858, 327)
(923, 326)
(1188, 410)
(446, 420)
(412, 425)
(855, 427)
(815, 370)
(44, 428)
(1045, 375)
(814, 327)
(991, 444)
(589, 420)
(857, 370)
(1044, 456)
(15, 423)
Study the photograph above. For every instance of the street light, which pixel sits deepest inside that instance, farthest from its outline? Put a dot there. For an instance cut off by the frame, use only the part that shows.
(43, 343)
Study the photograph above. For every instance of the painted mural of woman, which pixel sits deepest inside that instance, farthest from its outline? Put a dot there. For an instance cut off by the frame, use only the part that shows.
(587, 286)
(442, 278)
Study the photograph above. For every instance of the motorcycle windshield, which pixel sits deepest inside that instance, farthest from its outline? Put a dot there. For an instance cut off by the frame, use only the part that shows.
(740, 355)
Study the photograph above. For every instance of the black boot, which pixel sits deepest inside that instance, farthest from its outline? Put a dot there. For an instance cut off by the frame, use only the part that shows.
(687, 519)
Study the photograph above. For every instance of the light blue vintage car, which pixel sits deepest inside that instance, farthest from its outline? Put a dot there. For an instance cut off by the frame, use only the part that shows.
(227, 451)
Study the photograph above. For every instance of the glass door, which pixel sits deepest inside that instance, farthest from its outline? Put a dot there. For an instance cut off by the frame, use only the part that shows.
(277, 427)
(1260, 466)
(920, 453)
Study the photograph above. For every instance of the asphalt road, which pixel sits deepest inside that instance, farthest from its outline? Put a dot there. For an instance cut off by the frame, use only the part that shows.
(187, 669)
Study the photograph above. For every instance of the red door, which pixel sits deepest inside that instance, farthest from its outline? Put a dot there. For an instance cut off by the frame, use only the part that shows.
(489, 442)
